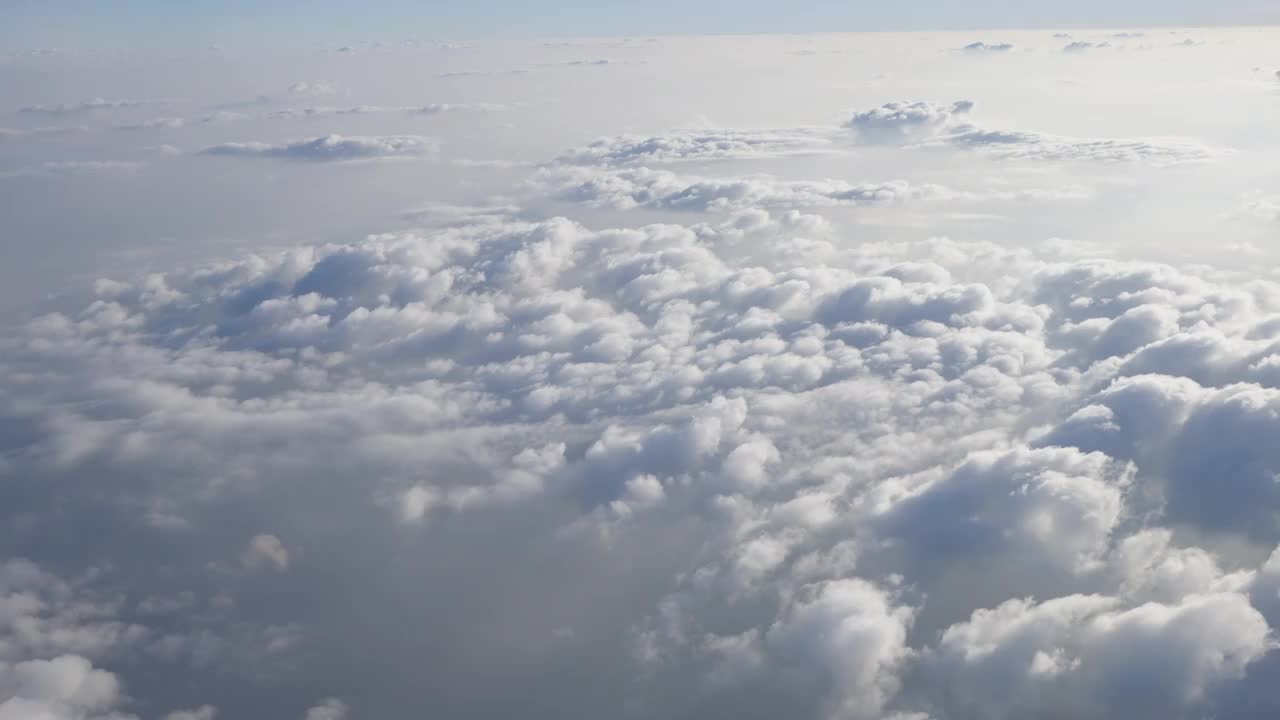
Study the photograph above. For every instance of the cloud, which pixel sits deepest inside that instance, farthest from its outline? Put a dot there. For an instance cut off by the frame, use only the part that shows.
(627, 188)
(928, 124)
(427, 109)
(330, 148)
(1079, 46)
(204, 712)
(330, 709)
(901, 121)
(1261, 206)
(62, 168)
(981, 47)
(696, 145)
(787, 452)
(265, 552)
(872, 410)
(1093, 657)
(84, 106)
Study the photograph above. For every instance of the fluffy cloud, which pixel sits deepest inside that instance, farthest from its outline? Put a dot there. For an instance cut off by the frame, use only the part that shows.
(629, 188)
(958, 423)
(903, 121)
(930, 124)
(779, 455)
(718, 144)
(981, 47)
(329, 709)
(266, 552)
(1090, 656)
(330, 148)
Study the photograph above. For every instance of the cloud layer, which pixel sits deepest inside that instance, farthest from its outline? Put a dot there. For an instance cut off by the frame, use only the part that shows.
(885, 414)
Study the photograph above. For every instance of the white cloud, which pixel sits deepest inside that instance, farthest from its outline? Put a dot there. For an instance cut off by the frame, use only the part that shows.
(330, 709)
(929, 124)
(265, 552)
(330, 148)
(982, 47)
(714, 144)
(628, 188)
(789, 452)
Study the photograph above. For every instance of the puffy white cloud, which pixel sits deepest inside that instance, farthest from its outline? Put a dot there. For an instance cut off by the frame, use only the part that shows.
(330, 148)
(906, 121)
(265, 552)
(852, 638)
(1089, 656)
(711, 144)
(629, 188)
(329, 709)
(778, 456)
(931, 124)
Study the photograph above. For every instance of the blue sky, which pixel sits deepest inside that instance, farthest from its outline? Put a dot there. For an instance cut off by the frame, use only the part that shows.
(38, 23)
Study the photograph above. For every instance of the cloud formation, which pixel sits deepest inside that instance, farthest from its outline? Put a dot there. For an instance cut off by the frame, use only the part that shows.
(929, 124)
(330, 148)
(702, 423)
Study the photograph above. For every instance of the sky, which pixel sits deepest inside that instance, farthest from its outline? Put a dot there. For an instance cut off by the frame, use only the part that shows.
(351, 372)
(160, 23)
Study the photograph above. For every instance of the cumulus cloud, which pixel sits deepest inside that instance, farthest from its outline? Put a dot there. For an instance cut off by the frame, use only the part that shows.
(628, 188)
(1090, 656)
(330, 148)
(929, 124)
(982, 47)
(873, 413)
(752, 460)
(265, 552)
(330, 709)
(1079, 46)
(696, 145)
(902, 121)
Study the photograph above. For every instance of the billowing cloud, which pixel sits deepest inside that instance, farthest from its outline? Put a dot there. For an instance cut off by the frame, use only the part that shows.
(1078, 46)
(928, 124)
(696, 145)
(901, 121)
(706, 423)
(629, 188)
(982, 47)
